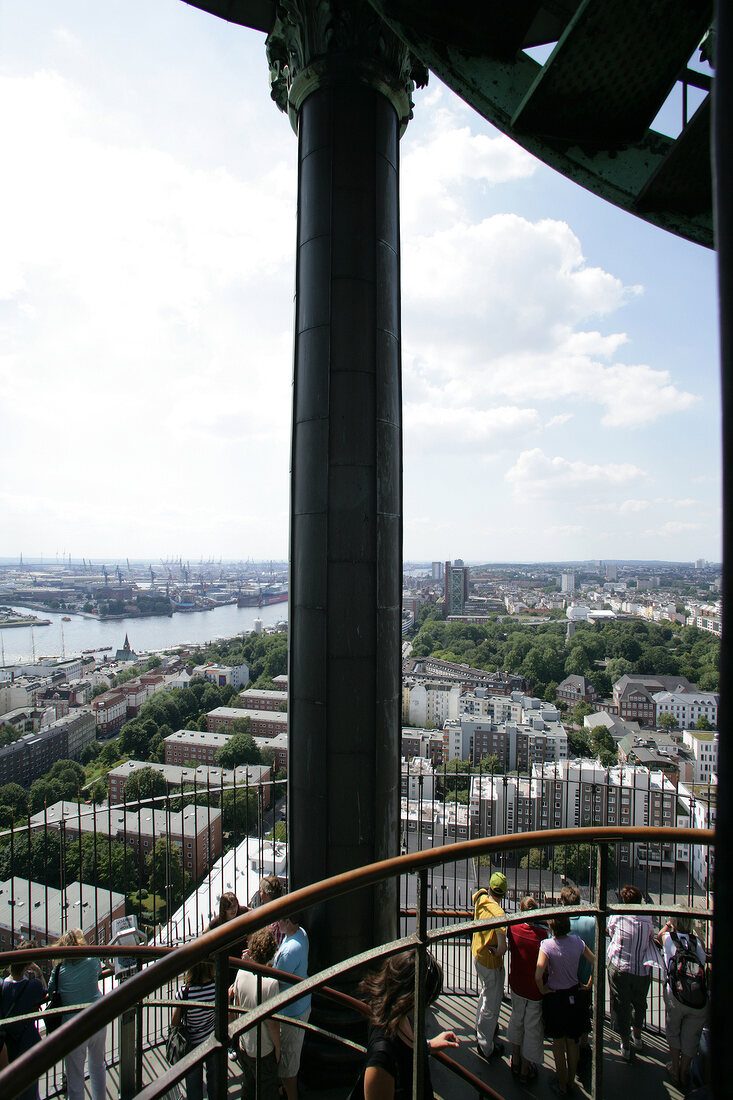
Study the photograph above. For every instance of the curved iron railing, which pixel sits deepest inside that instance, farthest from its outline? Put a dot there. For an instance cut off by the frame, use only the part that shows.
(29, 1066)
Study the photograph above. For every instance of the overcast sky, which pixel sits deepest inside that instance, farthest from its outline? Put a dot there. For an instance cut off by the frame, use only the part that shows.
(559, 356)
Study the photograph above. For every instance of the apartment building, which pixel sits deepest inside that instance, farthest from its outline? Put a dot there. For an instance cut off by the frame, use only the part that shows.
(278, 746)
(209, 780)
(33, 910)
(697, 808)
(31, 756)
(431, 702)
(221, 675)
(195, 830)
(633, 696)
(262, 699)
(200, 746)
(110, 711)
(688, 707)
(703, 746)
(531, 733)
(417, 779)
(262, 723)
(571, 794)
(425, 743)
(576, 689)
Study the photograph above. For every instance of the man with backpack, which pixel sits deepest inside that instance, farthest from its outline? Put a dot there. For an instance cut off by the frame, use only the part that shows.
(685, 995)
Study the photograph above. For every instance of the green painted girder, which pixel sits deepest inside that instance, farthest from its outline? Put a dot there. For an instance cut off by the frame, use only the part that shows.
(257, 14)
(641, 173)
(678, 182)
(612, 69)
(587, 111)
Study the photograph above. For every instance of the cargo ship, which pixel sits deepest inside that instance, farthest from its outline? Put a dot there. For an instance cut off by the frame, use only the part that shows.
(264, 597)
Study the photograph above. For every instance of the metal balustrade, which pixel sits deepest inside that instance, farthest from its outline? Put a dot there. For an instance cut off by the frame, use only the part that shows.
(149, 991)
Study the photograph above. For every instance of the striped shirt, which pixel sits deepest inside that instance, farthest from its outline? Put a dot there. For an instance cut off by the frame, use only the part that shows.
(631, 943)
(198, 1022)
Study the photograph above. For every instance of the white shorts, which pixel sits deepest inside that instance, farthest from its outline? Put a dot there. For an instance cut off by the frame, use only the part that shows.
(525, 1027)
(291, 1044)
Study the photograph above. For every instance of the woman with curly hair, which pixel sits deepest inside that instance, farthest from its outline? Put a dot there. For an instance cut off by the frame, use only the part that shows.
(390, 994)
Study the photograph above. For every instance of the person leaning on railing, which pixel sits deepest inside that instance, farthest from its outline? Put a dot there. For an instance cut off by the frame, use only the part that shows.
(631, 954)
(564, 1005)
(390, 994)
(23, 992)
(525, 1031)
(198, 985)
(260, 949)
(683, 1022)
(488, 948)
(77, 982)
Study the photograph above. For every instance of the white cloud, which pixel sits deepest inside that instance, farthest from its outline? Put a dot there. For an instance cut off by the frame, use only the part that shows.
(674, 527)
(147, 303)
(452, 155)
(517, 293)
(631, 507)
(537, 474)
(466, 430)
(556, 421)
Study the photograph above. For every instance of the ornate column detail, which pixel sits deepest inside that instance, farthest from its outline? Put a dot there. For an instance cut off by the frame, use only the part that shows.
(314, 42)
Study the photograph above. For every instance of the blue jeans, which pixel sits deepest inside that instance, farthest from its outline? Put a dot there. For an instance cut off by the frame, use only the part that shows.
(195, 1080)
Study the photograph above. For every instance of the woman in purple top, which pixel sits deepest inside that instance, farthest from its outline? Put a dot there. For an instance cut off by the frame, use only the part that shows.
(564, 1004)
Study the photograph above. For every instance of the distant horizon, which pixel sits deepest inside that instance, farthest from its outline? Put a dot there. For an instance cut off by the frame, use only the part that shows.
(13, 561)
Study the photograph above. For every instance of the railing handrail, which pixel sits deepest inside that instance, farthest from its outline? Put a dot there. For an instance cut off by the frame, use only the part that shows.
(28, 1067)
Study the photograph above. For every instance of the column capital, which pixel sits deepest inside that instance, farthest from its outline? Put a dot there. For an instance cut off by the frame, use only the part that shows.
(317, 42)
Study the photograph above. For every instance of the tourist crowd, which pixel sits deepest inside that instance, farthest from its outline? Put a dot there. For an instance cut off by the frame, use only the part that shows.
(551, 965)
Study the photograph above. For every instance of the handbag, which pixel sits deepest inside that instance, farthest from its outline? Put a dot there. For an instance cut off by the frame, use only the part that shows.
(52, 1020)
(178, 1044)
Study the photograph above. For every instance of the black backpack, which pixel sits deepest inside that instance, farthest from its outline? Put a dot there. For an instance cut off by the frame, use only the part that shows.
(686, 974)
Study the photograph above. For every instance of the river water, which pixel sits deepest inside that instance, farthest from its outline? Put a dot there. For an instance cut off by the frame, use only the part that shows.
(153, 632)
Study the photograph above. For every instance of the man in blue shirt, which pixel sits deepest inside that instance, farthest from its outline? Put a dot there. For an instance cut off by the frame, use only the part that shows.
(292, 956)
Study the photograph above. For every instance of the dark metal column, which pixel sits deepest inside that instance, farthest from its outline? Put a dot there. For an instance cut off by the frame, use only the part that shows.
(348, 94)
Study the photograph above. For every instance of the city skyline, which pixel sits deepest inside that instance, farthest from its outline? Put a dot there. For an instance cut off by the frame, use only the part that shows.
(559, 356)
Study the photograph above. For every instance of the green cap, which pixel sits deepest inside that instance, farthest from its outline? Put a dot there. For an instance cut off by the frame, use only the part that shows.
(497, 883)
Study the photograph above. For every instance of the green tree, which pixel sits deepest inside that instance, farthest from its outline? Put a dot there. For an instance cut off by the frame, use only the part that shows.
(239, 810)
(579, 743)
(165, 873)
(666, 721)
(702, 723)
(90, 752)
(580, 710)
(43, 792)
(279, 832)
(535, 858)
(458, 796)
(13, 795)
(143, 785)
(109, 754)
(36, 858)
(239, 749)
(153, 662)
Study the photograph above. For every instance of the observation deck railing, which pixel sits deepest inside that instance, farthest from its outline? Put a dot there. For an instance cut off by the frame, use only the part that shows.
(129, 997)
